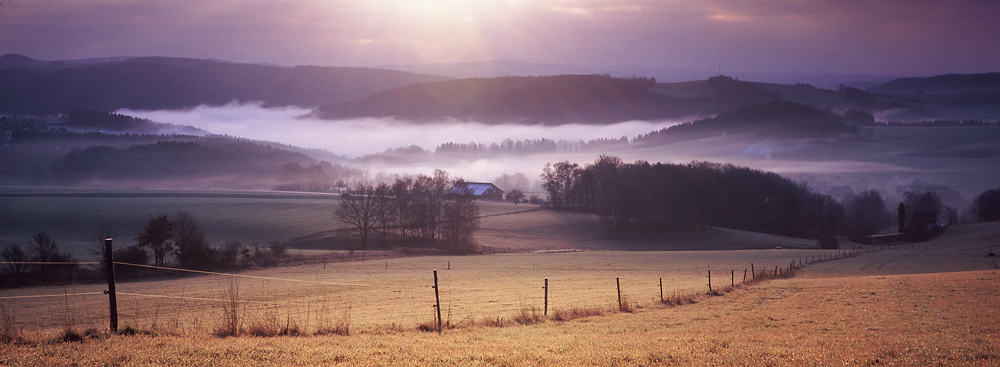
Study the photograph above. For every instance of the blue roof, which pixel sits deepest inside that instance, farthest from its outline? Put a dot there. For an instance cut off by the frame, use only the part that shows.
(475, 188)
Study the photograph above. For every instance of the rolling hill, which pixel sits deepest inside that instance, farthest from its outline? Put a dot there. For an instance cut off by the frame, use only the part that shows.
(548, 100)
(151, 83)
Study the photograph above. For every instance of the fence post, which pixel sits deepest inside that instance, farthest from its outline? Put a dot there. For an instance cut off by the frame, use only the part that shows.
(618, 282)
(546, 312)
(661, 290)
(753, 273)
(709, 280)
(109, 269)
(437, 299)
(732, 276)
(744, 275)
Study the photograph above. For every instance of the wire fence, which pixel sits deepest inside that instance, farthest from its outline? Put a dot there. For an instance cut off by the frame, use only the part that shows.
(396, 293)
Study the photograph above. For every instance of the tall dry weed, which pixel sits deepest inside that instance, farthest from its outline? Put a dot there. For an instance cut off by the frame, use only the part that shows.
(341, 326)
(231, 322)
(9, 332)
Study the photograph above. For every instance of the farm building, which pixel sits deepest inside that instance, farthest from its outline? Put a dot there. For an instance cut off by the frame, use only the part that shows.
(479, 190)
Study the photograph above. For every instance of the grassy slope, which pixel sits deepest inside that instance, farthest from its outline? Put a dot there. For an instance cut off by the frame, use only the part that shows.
(892, 320)
(70, 220)
(933, 303)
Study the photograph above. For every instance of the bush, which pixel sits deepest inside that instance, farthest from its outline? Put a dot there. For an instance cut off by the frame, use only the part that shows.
(829, 243)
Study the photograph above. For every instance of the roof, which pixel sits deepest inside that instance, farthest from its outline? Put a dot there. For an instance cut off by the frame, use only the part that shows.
(475, 188)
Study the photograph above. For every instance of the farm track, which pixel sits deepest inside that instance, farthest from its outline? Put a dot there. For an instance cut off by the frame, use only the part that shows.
(510, 213)
(879, 264)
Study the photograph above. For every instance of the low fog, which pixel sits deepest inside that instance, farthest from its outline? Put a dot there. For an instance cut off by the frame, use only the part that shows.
(883, 163)
(356, 138)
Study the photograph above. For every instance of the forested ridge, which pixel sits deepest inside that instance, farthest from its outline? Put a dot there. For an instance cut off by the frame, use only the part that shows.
(533, 100)
(778, 119)
(153, 83)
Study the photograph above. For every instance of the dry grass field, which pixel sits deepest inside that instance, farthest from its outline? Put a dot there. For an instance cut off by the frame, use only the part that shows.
(933, 303)
(906, 320)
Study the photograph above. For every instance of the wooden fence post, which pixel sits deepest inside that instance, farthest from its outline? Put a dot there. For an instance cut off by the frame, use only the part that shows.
(709, 280)
(753, 273)
(744, 275)
(619, 284)
(109, 269)
(546, 310)
(437, 299)
(661, 290)
(732, 276)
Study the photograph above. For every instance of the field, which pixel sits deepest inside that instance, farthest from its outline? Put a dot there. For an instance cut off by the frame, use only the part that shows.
(929, 303)
(71, 215)
(946, 318)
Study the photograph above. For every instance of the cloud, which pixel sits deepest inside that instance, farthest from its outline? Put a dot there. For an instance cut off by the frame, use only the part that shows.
(894, 37)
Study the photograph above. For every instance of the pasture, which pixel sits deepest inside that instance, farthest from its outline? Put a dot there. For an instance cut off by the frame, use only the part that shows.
(929, 303)
(398, 292)
(843, 312)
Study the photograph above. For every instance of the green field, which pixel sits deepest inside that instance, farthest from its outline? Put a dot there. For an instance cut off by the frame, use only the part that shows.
(71, 215)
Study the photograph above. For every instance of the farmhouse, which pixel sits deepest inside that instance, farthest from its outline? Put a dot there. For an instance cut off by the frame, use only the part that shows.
(479, 190)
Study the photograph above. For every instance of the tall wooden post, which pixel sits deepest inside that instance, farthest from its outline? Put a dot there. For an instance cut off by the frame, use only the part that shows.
(732, 276)
(753, 273)
(619, 284)
(709, 280)
(437, 299)
(661, 290)
(546, 309)
(109, 269)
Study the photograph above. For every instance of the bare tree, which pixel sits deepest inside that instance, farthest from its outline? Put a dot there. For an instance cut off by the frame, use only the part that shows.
(866, 213)
(359, 210)
(158, 236)
(14, 255)
(460, 221)
(189, 243)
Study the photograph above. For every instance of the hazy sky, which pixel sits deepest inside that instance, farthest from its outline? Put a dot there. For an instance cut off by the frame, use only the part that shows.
(899, 37)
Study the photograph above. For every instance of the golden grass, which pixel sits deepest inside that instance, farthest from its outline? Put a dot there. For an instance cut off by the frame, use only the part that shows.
(916, 319)
(370, 294)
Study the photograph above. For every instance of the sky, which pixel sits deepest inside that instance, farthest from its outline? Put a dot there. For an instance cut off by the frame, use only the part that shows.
(875, 37)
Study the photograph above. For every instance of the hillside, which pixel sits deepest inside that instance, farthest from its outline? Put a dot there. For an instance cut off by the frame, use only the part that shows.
(151, 83)
(40, 151)
(549, 100)
(941, 84)
(532, 100)
(772, 120)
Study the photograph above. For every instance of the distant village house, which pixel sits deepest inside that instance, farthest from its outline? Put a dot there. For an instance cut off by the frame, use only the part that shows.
(478, 190)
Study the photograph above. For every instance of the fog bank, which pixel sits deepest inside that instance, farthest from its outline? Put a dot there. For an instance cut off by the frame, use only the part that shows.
(355, 138)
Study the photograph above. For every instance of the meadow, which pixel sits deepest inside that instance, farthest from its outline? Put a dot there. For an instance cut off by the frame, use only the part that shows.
(918, 304)
(818, 317)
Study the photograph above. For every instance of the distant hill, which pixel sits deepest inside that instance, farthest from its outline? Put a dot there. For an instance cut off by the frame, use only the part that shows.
(150, 83)
(39, 151)
(777, 119)
(941, 84)
(112, 122)
(549, 100)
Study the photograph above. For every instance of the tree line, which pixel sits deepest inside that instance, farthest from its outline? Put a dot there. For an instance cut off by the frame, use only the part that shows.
(166, 240)
(642, 199)
(412, 211)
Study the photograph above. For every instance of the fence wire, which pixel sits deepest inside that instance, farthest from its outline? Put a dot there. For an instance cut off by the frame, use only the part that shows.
(394, 292)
